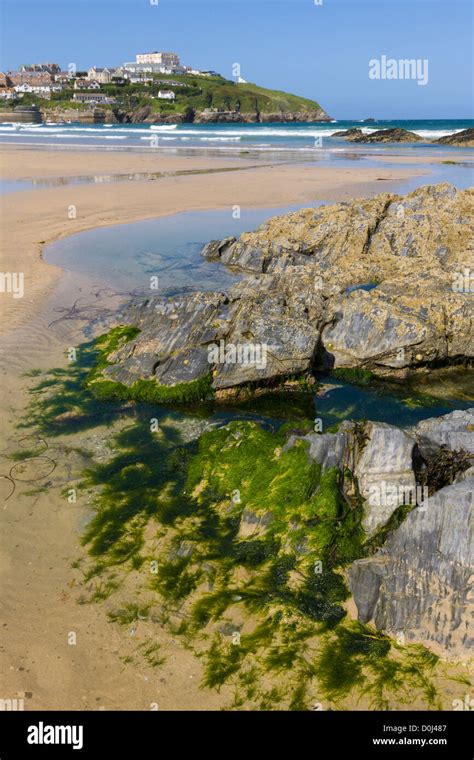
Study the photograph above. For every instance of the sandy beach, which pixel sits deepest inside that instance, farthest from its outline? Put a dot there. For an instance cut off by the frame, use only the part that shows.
(40, 535)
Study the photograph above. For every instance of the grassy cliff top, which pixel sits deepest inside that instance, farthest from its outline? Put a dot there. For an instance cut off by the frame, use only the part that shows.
(192, 92)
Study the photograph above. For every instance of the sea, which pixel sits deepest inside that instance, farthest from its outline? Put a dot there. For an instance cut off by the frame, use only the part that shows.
(305, 139)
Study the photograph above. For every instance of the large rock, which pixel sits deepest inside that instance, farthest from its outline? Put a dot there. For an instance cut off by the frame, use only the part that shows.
(265, 328)
(172, 339)
(366, 239)
(348, 133)
(420, 583)
(214, 116)
(463, 139)
(387, 135)
(370, 283)
(392, 271)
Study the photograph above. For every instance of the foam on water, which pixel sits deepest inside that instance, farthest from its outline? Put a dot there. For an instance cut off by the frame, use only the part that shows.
(289, 134)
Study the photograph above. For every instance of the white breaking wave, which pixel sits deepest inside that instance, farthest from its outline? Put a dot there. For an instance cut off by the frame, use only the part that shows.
(163, 127)
(220, 139)
(436, 132)
(252, 132)
(99, 130)
(256, 136)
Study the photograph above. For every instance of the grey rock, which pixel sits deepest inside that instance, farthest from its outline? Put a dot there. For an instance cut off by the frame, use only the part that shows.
(383, 466)
(328, 449)
(387, 135)
(267, 328)
(420, 582)
(171, 346)
(385, 474)
(455, 431)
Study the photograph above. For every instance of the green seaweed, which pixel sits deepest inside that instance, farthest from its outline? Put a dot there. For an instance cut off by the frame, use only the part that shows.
(151, 651)
(129, 613)
(356, 375)
(147, 390)
(357, 657)
(248, 537)
(21, 454)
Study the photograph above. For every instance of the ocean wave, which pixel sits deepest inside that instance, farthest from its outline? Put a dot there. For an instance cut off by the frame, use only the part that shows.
(436, 132)
(252, 132)
(220, 139)
(163, 127)
(201, 133)
(99, 130)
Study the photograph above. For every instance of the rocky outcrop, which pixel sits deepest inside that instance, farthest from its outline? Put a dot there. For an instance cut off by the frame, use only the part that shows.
(236, 117)
(172, 343)
(464, 139)
(215, 116)
(389, 269)
(348, 133)
(386, 135)
(290, 116)
(370, 283)
(21, 115)
(389, 463)
(83, 116)
(419, 584)
(265, 328)
(219, 116)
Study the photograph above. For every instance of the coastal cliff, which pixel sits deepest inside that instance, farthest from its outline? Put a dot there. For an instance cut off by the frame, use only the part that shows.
(146, 115)
(193, 99)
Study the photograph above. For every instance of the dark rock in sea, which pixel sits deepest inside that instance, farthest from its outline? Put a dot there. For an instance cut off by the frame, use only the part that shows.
(387, 135)
(348, 133)
(464, 139)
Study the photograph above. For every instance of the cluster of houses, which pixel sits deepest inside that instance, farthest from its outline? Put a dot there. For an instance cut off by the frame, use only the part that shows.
(44, 79)
(15, 84)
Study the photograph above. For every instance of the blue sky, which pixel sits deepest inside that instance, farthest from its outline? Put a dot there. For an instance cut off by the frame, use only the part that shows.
(318, 51)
